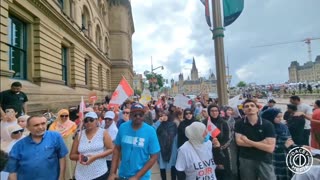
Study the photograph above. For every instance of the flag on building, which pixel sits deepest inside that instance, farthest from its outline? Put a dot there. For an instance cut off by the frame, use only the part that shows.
(122, 92)
(212, 129)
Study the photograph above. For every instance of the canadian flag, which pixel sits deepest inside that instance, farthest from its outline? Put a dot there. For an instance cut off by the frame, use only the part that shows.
(212, 129)
(122, 92)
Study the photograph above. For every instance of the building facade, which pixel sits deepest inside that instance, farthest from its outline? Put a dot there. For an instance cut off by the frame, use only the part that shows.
(138, 82)
(308, 72)
(195, 85)
(61, 50)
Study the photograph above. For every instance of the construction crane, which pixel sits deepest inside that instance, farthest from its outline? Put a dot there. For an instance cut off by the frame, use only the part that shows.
(307, 41)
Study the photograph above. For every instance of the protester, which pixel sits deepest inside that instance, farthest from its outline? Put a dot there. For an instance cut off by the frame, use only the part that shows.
(66, 128)
(282, 136)
(14, 97)
(188, 119)
(195, 160)
(221, 154)
(230, 119)
(112, 129)
(9, 120)
(125, 117)
(137, 145)
(315, 126)
(295, 122)
(307, 114)
(270, 104)
(90, 148)
(38, 156)
(16, 133)
(256, 140)
(167, 135)
(22, 121)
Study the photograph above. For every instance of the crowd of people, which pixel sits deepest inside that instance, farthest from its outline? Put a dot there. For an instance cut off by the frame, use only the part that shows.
(125, 142)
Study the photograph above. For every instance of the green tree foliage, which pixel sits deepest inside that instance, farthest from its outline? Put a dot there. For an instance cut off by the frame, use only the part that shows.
(137, 92)
(160, 81)
(241, 84)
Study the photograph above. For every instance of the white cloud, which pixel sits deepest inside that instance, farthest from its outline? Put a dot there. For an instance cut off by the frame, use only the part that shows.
(174, 31)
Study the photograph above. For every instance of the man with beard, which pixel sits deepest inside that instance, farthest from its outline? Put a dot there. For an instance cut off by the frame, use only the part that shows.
(43, 151)
(137, 145)
(14, 97)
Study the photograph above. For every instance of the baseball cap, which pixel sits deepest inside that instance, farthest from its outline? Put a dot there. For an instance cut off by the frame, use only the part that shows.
(91, 115)
(137, 107)
(109, 114)
(14, 128)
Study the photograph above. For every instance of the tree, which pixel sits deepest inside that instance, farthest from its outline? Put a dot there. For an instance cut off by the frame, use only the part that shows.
(241, 84)
(154, 80)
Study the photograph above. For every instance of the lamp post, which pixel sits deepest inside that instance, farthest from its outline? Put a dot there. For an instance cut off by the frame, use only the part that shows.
(152, 69)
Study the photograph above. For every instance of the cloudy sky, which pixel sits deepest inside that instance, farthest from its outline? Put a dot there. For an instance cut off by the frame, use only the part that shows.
(175, 31)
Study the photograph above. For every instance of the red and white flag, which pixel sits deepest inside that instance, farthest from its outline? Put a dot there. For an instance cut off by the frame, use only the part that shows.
(212, 129)
(122, 92)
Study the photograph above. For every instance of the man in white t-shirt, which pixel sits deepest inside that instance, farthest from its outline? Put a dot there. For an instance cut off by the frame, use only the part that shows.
(306, 111)
(195, 159)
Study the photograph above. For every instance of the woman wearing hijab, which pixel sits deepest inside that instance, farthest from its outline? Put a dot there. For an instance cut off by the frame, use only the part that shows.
(188, 119)
(280, 151)
(221, 154)
(167, 136)
(195, 160)
(66, 128)
(229, 118)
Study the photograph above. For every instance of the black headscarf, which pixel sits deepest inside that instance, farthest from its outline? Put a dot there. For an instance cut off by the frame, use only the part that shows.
(166, 133)
(182, 127)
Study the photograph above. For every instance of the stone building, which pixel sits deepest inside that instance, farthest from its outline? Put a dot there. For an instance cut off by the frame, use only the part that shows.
(308, 72)
(195, 85)
(61, 50)
(138, 82)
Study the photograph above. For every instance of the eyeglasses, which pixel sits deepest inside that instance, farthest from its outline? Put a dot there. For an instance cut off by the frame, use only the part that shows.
(88, 119)
(108, 119)
(17, 132)
(188, 113)
(138, 114)
(64, 116)
(125, 112)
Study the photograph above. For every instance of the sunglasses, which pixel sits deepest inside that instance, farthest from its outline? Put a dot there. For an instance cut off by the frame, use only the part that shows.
(124, 112)
(17, 132)
(138, 114)
(86, 120)
(108, 119)
(64, 116)
(188, 113)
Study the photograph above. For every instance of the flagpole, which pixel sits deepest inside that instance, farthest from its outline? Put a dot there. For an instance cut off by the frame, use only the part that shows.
(219, 53)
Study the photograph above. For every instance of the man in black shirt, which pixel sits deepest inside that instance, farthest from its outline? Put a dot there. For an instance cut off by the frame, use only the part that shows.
(14, 97)
(256, 140)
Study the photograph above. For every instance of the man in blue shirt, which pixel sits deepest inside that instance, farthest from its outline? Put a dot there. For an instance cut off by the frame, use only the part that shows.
(138, 145)
(41, 155)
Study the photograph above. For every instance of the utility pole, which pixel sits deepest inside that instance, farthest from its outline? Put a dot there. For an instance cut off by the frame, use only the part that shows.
(219, 53)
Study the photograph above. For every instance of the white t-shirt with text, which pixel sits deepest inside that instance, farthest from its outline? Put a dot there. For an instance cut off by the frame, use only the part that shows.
(196, 161)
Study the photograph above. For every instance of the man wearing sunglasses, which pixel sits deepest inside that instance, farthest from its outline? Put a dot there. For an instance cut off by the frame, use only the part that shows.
(138, 146)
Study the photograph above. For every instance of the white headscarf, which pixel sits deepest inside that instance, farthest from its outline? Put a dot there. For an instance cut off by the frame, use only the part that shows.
(196, 133)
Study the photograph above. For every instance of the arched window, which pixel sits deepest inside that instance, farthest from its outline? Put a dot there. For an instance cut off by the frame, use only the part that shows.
(106, 46)
(85, 21)
(98, 37)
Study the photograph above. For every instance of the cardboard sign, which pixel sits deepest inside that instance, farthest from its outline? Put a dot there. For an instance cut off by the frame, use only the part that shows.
(92, 97)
